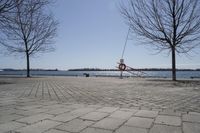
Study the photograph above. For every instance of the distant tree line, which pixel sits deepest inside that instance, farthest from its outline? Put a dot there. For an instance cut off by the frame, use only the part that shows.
(136, 69)
(98, 69)
(10, 69)
(91, 69)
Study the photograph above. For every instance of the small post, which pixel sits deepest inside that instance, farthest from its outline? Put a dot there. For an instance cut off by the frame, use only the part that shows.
(121, 73)
(121, 76)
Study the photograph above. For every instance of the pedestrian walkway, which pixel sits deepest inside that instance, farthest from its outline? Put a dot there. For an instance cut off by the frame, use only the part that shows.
(39, 116)
(81, 105)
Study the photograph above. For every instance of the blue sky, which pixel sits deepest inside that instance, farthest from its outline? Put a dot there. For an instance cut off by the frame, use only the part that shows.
(91, 34)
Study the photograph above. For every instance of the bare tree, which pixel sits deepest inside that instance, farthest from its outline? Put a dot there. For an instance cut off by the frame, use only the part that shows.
(172, 25)
(31, 30)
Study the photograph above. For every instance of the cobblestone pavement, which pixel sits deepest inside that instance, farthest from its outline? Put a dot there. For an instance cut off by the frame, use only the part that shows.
(98, 105)
(25, 115)
(143, 93)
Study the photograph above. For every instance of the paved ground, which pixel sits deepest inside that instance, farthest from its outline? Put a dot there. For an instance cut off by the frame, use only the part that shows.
(98, 105)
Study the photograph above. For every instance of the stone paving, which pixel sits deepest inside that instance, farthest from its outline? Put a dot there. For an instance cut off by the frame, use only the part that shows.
(98, 105)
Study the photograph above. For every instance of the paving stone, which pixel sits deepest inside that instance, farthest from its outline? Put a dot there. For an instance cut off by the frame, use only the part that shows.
(64, 117)
(26, 112)
(129, 110)
(30, 107)
(126, 129)
(139, 122)
(144, 107)
(82, 111)
(94, 116)
(39, 127)
(165, 129)
(94, 106)
(146, 113)
(191, 118)
(31, 112)
(9, 117)
(170, 112)
(95, 130)
(8, 111)
(35, 118)
(121, 115)
(157, 109)
(194, 113)
(48, 103)
(109, 123)
(58, 111)
(75, 125)
(55, 106)
(191, 127)
(10, 126)
(39, 110)
(168, 120)
(75, 106)
(107, 109)
(55, 131)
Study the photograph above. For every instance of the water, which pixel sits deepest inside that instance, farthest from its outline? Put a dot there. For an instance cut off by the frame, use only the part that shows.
(156, 74)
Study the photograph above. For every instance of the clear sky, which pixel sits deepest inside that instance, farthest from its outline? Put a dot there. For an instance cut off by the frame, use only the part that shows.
(91, 34)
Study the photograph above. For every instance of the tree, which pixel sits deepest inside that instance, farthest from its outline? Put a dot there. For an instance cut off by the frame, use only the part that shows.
(30, 31)
(172, 25)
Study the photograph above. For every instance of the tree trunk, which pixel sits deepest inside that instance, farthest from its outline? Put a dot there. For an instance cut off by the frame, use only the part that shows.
(28, 65)
(173, 64)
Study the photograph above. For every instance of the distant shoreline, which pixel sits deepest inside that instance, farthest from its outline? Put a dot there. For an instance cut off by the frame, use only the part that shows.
(97, 69)
(142, 69)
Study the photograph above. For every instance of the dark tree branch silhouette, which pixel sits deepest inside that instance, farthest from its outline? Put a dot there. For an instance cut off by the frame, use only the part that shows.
(172, 25)
(30, 30)
(6, 7)
(6, 10)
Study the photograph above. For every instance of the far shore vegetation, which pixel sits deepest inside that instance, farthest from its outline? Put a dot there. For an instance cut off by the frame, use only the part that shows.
(99, 69)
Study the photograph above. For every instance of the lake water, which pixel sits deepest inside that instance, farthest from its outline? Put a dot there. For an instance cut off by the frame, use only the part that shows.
(156, 74)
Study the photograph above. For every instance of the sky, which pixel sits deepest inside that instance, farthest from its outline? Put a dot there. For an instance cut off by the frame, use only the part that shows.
(91, 34)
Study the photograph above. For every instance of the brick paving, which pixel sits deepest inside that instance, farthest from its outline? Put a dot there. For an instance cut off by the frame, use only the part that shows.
(98, 105)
